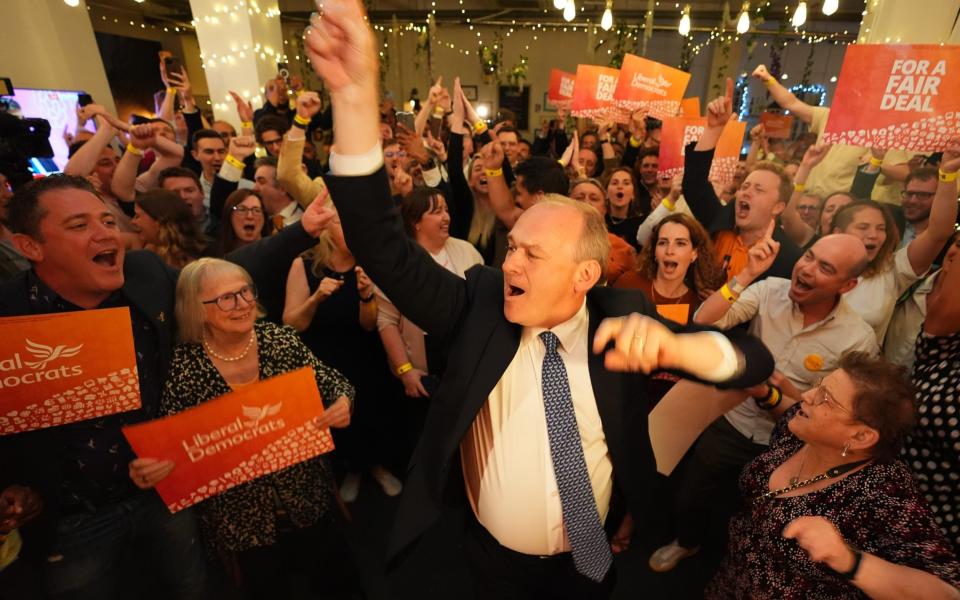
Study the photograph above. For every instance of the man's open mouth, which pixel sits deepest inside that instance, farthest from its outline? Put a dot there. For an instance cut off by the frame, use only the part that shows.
(106, 258)
(513, 290)
(743, 209)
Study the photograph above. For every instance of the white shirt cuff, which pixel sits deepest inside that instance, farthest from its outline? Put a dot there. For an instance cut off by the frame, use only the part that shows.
(355, 165)
(230, 172)
(728, 365)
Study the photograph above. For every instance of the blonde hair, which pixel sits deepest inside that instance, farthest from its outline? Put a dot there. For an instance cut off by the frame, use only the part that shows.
(320, 253)
(189, 309)
(594, 244)
(481, 225)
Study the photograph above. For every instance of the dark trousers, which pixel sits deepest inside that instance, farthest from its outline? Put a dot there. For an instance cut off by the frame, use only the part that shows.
(504, 574)
(710, 481)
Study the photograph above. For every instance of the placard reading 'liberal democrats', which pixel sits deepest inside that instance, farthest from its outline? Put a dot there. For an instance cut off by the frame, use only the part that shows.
(897, 96)
(250, 432)
(62, 368)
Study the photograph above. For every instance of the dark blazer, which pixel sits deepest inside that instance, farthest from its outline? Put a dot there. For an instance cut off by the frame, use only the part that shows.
(32, 458)
(715, 217)
(466, 317)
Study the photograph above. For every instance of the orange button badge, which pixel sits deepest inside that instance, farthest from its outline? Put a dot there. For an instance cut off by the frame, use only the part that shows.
(813, 362)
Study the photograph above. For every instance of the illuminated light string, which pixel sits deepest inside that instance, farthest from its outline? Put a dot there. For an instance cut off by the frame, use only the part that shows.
(799, 90)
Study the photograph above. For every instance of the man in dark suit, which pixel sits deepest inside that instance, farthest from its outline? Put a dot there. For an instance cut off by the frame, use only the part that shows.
(546, 428)
(72, 481)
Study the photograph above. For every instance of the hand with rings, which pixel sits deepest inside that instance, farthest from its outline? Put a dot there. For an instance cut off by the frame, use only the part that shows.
(639, 344)
(147, 472)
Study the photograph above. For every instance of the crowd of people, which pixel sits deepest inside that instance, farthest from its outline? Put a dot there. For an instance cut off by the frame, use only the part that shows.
(490, 320)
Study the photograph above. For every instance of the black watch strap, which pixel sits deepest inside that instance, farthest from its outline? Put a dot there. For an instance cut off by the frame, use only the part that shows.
(857, 559)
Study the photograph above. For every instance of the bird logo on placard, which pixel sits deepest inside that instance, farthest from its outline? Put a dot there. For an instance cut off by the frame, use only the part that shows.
(46, 354)
(259, 413)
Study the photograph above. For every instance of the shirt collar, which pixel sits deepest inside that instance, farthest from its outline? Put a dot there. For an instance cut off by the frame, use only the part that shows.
(44, 299)
(288, 210)
(570, 332)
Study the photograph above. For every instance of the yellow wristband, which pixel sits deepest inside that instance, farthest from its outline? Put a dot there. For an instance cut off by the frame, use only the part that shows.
(727, 294)
(171, 90)
(635, 142)
(300, 120)
(948, 177)
(493, 172)
(875, 162)
(404, 368)
(133, 150)
(479, 127)
(669, 204)
(234, 161)
(799, 187)
(770, 81)
(246, 124)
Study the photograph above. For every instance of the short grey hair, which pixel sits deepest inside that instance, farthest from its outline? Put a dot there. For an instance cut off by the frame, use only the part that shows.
(594, 243)
(189, 309)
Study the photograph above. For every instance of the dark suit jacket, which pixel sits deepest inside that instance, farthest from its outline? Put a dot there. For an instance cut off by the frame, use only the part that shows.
(466, 317)
(715, 217)
(32, 458)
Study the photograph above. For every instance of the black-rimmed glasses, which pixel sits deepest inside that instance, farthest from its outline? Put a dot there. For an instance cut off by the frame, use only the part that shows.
(229, 301)
(248, 210)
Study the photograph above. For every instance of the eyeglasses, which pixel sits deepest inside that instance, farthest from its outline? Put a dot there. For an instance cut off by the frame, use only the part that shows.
(275, 142)
(243, 211)
(917, 195)
(823, 395)
(229, 301)
(398, 154)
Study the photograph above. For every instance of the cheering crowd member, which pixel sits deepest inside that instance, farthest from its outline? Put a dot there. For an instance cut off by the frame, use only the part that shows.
(537, 307)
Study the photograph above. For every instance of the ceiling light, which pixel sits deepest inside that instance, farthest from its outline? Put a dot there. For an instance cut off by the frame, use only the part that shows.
(559, 4)
(830, 6)
(684, 27)
(606, 22)
(743, 23)
(800, 15)
(72, 2)
(569, 11)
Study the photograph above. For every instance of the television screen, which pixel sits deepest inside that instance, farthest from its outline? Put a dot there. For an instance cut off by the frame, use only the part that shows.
(59, 107)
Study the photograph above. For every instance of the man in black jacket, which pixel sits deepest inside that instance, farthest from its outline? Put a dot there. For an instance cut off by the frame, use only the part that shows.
(91, 513)
(546, 427)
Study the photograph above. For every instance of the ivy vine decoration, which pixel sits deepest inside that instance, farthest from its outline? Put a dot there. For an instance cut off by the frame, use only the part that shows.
(808, 68)
(621, 48)
(491, 59)
(686, 53)
(518, 74)
(423, 49)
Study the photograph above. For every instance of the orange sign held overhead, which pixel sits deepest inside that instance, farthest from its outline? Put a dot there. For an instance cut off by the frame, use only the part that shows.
(650, 86)
(896, 97)
(245, 434)
(677, 133)
(560, 92)
(66, 367)
(593, 94)
(690, 108)
(776, 126)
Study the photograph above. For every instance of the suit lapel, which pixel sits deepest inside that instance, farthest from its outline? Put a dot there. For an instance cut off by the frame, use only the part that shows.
(607, 385)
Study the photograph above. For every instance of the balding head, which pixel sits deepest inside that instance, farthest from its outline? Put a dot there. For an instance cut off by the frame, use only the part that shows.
(827, 270)
(850, 250)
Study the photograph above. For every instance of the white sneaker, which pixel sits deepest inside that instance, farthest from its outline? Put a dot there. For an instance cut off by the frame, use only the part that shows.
(667, 557)
(390, 484)
(350, 487)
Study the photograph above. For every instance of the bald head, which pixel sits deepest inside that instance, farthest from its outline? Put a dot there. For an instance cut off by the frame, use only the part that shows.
(827, 270)
(848, 251)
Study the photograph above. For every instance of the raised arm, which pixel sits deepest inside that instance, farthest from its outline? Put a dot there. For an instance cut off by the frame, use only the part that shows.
(501, 200)
(289, 166)
(943, 214)
(793, 225)
(783, 96)
(85, 158)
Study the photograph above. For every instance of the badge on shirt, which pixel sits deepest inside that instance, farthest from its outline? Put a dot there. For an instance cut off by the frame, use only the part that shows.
(813, 362)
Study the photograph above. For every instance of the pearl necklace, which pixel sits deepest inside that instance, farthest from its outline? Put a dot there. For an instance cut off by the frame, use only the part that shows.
(246, 350)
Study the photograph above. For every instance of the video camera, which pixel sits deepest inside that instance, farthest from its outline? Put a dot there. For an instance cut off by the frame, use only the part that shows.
(20, 139)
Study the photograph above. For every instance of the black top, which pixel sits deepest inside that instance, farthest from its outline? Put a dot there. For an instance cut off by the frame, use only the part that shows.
(625, 228)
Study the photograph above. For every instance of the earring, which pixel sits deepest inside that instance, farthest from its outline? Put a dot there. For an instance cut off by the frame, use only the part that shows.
(846, 449)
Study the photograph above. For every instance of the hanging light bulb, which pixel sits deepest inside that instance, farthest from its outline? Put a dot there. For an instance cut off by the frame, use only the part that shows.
(569, 11)
(830, 6)
(73, 3)
(606, 22)
(684, 28)
(800, 15)
(743, 23)
(559, 4)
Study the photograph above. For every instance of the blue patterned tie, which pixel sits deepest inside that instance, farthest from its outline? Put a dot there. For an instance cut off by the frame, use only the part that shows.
(591, 550)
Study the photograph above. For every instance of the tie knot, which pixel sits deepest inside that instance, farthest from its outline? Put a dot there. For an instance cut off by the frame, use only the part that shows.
(550, 341)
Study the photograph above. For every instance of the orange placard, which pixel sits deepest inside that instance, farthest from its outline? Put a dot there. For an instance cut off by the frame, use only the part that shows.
(651, 86)
(560, 92)
(896, 96)
(677, 133)
(690, 108)
(66, 367)
(776, 126)
(593, 94)
(245, 434)
(678, 313)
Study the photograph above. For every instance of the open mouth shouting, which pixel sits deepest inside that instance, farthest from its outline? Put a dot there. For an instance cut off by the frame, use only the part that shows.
(106, 258)
(250, 228)
(743, 209)
(512, 291)
(669, 267)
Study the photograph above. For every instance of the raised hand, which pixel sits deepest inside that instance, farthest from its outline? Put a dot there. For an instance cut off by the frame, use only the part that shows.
(181, 81)
(950, 162)
(317, 215)
(492, 155)
(758, 133)
(459, 111)
(639, 344)
(308, 104)
(820, 539)
(761, 73)
(402, 182)
(472, 115)
(437, 147)
(341, 47)
(760, 256)
(720, 109)
(164, 55)
(638, 124)
(143, 136)
(411, 142)
(244, 110)
(814, 155)
(242, 146)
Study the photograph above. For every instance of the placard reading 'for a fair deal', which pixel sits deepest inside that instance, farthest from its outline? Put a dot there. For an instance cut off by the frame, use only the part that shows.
(245, 434)
(62, 368)
(650, 86)
(593, 94)
(896, 97)
(677, 133)
(560, 92)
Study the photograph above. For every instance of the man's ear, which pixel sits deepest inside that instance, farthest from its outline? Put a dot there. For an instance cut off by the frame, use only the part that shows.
(195, 154)
(30, 248)
(588, 274)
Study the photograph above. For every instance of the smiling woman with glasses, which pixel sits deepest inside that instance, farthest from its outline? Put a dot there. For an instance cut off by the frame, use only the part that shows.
(832, 511)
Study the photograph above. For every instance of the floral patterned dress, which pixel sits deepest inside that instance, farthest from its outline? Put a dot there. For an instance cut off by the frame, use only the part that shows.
(933, 449)
(245, 516)
(876, 509)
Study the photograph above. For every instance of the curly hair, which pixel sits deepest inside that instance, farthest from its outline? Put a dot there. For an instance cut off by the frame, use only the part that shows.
(884, 400)
(179, 239)
(704, 274)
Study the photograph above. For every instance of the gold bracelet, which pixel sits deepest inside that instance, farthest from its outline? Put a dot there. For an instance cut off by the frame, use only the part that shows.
(669, 204)
(246, 124)
(134, 150)
(875, 162)
(727, 294)
(799, 187)
(947, 177)
(234, 161)
(493, 172)
(404, 368)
